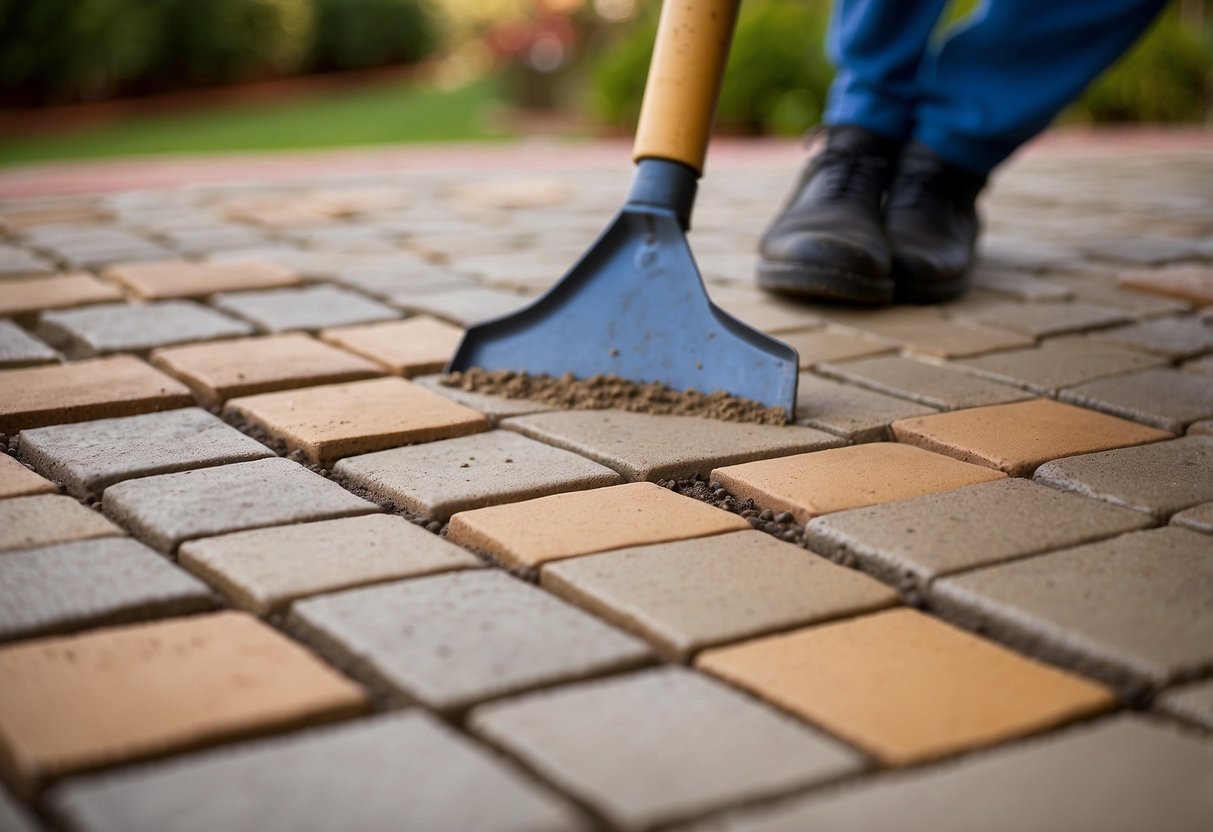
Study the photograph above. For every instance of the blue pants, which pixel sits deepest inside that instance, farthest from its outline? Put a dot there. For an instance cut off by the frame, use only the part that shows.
(991, 83)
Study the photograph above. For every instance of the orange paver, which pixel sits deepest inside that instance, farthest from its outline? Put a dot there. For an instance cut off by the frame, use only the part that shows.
(336, 420)
(408, 348)
(115, 695)
(533, 532)
(18, 481)
(1019, 437)
(221, 370)
(1190, 283)
(161, 279)
(30, 295)
(907, 687)
(808, 485)
(94, 389)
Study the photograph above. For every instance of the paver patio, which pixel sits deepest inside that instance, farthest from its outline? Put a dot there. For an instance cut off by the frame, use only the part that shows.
(260, 568)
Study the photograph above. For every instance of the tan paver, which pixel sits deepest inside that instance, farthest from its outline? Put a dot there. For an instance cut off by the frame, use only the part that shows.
(331, 421)
(1191, 283)
(117, 386)
(18, 481)
(20, 349)
(1045, 319)
(1059, 363)
(533, 532)
(1198, 518)
(825, 345)
(851, 412)
(939, 387)
(1019, 437)
(48, 518)
(129, 327)
(31, 295)
(161, 279)
(226, 369)
(808, 485)
(1163, 397)
(906, 687)
(110, 696)
(408, 348)
(1193, 702)
(947, 339)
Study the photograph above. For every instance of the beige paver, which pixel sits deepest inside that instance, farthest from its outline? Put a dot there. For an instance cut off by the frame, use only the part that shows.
(943, 388)
(48, 518)
(1193, 702)
(161, 279)
(78, 702)
(1198, 518)
(408, 348)
(18, 481)
(948, 339)
(849, 411)
(817, 346)
(34, 294)
(495, 407)
(906, 687)
(331, 421)
(533, 532)
(1163, 397)
(1191, 283)
(247, 366)
(1046, 319)
(808, 485)
(1019, 437)
(1059, 363)
(1184, 337)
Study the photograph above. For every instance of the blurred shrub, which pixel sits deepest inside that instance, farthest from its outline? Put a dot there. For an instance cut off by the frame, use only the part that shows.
(353, 34)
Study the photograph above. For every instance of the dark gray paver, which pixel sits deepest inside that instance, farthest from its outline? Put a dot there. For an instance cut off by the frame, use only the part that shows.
(940, 387)
(1161, 478)
(1044, 319)
(85, 583)
(309, 308)
(395, 771)
(1193, 702)
(1198, 518)
(1133, 610)
(167, 509)
(851, 412)
(661, 745)
(910, 543)
(450, 641)
(1166, 398)
(20, 349)
(1170, 337)
(1056, 364)
(130, 327)
(1147, 251)
(48, 518)
(1123, 774)
(437, 479)
(87, 457)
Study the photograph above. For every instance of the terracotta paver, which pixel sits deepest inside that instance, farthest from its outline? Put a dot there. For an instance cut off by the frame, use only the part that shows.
(1184, 337)
(336, 420)
(117, 386)
(1198, 518)
(1165, 398)
(533, 532)
(114, 695)
(18, 481)
(1045, 319)
(20, 349)
(906, 687)
(264, 570)
(408, 348)
(942, 388)
(247, 366)
(1192, 702)
(1058, 363)
(808, 485)
(1191, 283)
(310, 308)
(818, 346)
(48, 518)
(1019, 437)
(162, 279)
(128, 327)
(717, 746)
(849, 411)
(36, 294)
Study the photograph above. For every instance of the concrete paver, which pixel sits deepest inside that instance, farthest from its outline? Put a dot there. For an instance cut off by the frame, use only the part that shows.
(460, 306)
(18, 481)
(1191, 283)
(1041, 320)
(1198, 518)
(1193, 702)
(939, 387)
(30, 296)
(17, 262)
(48, 518)
(851, 412)
(126, 327)
(163, 279)
(947, 339)
(494, 407)
(310, 308)
(1058, 363)
(1170, 337)
(817, 346)
(412, 347)
(1166, 398)
(20, 349)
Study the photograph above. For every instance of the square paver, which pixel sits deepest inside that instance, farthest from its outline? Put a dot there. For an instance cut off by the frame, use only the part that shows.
(1198, 518)
(1058, 363)
(1019, 437)
(912, 542)
(450, 641)
(118, 386)
(530, 533)
(1017, 284)
(643, 446)
(397, 771)
(1191, 283)
(36, 294)
(494, 407)
(939, 387)
(1193, 702)
(1166, 398)
(48, 518)
(438, 479)
(817, 346)
(168, 509)
(408, 348)
(692, 594)
(1133, 610)
(17, 262)
(73, 703)
(127, 327)
(86, 583)
(336, 420)
(18, 481)
(460, 306)
(808, 485)
(20, 349)
(1041, 320)
(247, 366)
(1160, 478)
(264, 570)
(851, 412)
(1171, 337)
(947, 339)
(906, 687)
(310, 308)
(717, 747)
(764, 312)
(161, 279)
(87, 457)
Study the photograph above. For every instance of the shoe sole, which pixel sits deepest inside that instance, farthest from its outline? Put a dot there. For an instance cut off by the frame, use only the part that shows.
(804, 281)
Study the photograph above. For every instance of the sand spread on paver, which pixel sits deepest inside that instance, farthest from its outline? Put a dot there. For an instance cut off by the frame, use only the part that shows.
(610, 391)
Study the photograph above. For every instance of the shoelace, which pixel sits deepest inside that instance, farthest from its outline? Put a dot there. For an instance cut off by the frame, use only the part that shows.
(845, 171)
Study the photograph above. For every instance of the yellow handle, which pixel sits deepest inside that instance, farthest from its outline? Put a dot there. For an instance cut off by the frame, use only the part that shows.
(684, 80)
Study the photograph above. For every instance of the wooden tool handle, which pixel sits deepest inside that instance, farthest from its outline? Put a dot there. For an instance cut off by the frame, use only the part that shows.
(684, 80)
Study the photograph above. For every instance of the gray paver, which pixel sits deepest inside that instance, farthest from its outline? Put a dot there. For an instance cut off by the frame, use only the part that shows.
(1204, 366)
(309, 308)
(86, 583)
(1133, 610)
(460, 306)
(1017, 284)
(449, 641)
(1102, 290)
(48, 518)
(1160, 478)
(395, 771)
(1204, 427)
(170, 508)
(912, 542)
(939, 387)
(823, 345)
(1045, 319)
(851, 412)
(1192, 702)
(1166, 398)
(14, 817)
(17, 262)
(438, 479)
(1117, 775)
(643, 446)
(1058, 363)
(20, 349)
(87, 457)
(716, 746)
(495, 407)
(130, 327)
(1198, 518)
(1171, 337)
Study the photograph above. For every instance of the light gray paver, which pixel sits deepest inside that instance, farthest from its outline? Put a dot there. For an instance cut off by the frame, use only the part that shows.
(850, 412)
(309, 308)
(450, 641)
(1058, 363)
(939, 387)
(910, 543)
(86, 583)
(14, 817)
(1198, 518)
(17, 262)
(1045, 319)
(1133, 610)
(1172, 337)
(1166, 398)
(20, 349)
(660, 746)
(87, 457)
(128, 327)
(1192, 702)
(170, 508)
(495, 407)
(395, 771)
(1161, 478)
(438, 479)
(48, 518)
(263, 570)
(1122, 774)
(460, 306)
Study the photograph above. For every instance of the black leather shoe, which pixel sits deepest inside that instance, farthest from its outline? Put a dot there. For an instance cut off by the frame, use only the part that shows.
(829, 240)
(932, 224)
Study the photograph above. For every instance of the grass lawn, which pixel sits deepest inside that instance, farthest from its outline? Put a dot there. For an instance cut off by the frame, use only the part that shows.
(388, 113)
